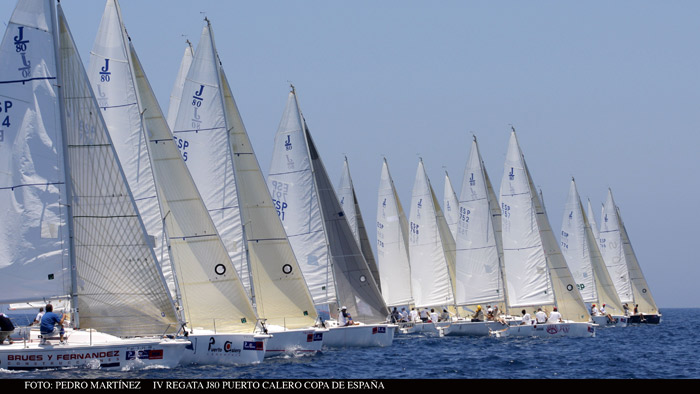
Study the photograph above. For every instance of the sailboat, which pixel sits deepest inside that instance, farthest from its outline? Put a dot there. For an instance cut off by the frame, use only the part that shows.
(580, 248)
(623, 265)
(432, 251)
(332, 263)
(535, 270)
(392, 243)
(351, 207)
(451, 206)
(219, 316)
(479, 277)
(70, 227)
(224, 166)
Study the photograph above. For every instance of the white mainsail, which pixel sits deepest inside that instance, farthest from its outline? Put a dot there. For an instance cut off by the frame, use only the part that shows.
(451, 206)
(176, 93)
(278, 288)
(536, 272)
(331, 260)
(110, 75)
(431, 247)
(479, 271)
(116, 284)
(392, 243)
(351, 207)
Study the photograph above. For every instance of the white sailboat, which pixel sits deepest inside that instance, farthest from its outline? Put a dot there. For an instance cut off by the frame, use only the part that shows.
(392, 243)
(331, 261)
(536, 272)
(580, 248)
(351, 207)
(479, 277)
(450, 202)
(432, 251)
(220, 318)
(623, 265)
(69, 224)
(240, 204)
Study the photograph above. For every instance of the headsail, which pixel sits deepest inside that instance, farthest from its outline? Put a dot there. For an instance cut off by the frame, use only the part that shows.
(176, 93)
(392, 243)
(450, 206)
(351, 207)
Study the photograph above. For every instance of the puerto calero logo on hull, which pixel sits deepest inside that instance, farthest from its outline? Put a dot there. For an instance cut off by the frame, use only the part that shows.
(226, 349)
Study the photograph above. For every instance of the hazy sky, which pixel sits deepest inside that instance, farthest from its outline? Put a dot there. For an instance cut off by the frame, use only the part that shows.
(607, 92)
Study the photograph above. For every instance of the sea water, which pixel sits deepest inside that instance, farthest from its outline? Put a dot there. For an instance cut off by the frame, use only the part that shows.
(665, 351)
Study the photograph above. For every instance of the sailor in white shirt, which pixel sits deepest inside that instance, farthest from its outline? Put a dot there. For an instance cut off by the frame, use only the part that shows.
(594, 310)
(555, 316)
(433, 316)
(540, 316)
(404, 315)
(527, 320)
(414, 315)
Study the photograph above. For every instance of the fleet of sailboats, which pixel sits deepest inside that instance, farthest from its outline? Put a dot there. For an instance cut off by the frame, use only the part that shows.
(168, 246)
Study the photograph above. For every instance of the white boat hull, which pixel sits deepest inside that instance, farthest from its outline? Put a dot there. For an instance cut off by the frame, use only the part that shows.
(295, 342)
(603, 321)
(225, 349)
(469, 328)
(422, 328)
(90, 349)
(363, 335)
(546, 330)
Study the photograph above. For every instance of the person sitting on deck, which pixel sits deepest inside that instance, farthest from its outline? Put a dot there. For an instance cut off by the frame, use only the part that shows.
(540, 316)
(445, 315)
(604, 313)
(48, 324)
(6, 328)
(527, 320)
(555, 316)
(478, 315)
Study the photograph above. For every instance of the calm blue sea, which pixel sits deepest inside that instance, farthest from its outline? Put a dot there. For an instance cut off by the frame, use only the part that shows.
(665, 351)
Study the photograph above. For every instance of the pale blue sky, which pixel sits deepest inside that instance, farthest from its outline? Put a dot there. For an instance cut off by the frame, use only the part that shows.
(607, 92)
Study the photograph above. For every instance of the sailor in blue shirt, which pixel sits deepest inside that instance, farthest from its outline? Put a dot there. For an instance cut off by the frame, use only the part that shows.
(49, 321)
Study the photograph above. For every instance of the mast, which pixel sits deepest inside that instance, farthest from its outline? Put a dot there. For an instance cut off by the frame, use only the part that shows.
(66, 172)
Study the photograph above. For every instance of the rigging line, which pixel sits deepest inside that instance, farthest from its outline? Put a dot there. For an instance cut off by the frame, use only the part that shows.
(30, 184)
(28, 80)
